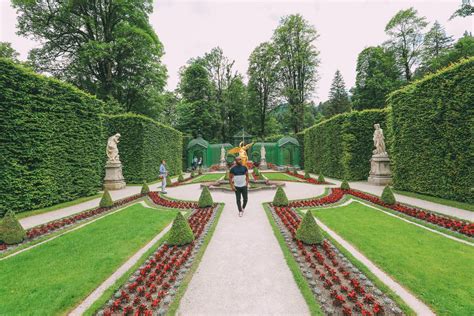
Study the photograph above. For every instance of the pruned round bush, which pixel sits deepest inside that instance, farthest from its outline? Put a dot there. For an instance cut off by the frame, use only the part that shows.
(280, 198)
(11, 231)
(306, 175)
(106, 200)
(180, 178)
(145, 188)
(180, 233)
(205, 200)
(345, 185)
(321, 178)
(308, 231)
(387, 196)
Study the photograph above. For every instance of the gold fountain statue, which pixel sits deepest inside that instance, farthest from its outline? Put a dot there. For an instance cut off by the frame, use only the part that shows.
(242, 151)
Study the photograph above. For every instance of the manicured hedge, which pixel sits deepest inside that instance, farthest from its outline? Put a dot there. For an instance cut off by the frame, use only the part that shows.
(341, 146)
(51, 140)
(143, 144)
(432, 121)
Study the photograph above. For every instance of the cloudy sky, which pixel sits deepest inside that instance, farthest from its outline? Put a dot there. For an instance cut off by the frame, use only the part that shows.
(192, 28)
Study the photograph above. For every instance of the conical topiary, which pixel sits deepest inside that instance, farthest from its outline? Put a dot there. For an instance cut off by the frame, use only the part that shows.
(106, 200)
(280, 198)
(199, 171)
(205, 200)
(193, 174)
(308, 231)
(256, 171)
(180, 233)
(306, 175)
(387, 196)
(321, 178)
(11, 231)
(145, 188)
(345, 185)
(180, 178)
(168, 181)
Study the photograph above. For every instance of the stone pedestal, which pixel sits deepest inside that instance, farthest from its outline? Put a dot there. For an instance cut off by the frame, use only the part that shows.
(223, 165)
(380, 173)
(113, 179)
(263, 164)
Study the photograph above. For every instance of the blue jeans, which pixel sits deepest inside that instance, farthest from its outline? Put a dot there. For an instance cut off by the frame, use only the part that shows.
(163, 183)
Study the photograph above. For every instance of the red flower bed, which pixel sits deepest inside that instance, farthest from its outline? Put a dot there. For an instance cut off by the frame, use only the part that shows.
(337, 194)
(340, 287)
(148, 289)
(309, 180)
(159, 200)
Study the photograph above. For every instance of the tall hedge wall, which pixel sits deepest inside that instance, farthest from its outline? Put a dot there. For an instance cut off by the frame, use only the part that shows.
(432, 121)
(341, 146)
(50, 140)
(143, 144)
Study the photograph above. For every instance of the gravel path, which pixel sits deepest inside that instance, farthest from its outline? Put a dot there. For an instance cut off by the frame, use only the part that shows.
(243, 270)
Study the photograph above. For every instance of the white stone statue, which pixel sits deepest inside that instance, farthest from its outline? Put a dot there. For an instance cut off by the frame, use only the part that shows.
(222, 153)
(112, 149)
(263, 152)
(379, 141)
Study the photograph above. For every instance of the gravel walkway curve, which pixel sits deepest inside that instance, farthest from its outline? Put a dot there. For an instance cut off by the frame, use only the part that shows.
(243, 270)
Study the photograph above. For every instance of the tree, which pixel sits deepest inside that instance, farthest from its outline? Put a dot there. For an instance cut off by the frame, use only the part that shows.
(7, 51)
(377, 76)
(263, 81)
(297, 61)
(406, 39)
(338, 98)
(435, 42)
(465, 10)
(105, 47)
(235, 104)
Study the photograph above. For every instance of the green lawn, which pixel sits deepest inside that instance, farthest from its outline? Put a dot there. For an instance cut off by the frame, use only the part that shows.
(436, 269)
(54, 277)
(456, 204)
(208, 177)
(279, 176)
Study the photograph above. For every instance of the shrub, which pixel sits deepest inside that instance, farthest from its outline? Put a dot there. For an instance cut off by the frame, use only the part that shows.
(193, 174)
(342, 145)
(205, 200)
(345, 185)
(11, 231)
(321, 178)
(180, 178)
(200, 171)
(143, 144)
(308, 231)
(280, 198)
(106, 200)
(145, 188)
(226, 177)
(180, 233)
(256, 171)
(431, 120)
(52, 146)
(168, 181)
(306, 175)
(387, 196)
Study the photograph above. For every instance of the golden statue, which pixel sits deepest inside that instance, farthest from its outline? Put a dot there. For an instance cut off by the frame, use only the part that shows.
(242, 151)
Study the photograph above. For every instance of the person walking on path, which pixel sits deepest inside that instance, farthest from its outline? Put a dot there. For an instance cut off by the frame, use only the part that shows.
(239, 181)
(163, 175)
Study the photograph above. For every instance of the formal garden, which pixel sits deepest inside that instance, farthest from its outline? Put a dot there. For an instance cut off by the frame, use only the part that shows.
(116, 196)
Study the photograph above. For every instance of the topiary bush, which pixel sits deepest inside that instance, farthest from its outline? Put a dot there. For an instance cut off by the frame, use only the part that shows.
(226, 177)
(256, 171)
(321, 178)
(200, 171)
(306, 175)
(387, 196)
(280, 198)
(180, 178)
(193, 174)
(11, 231)
(345, 185)
(145, 188)
(308, 231)
(180, 233)
(205, 200)
(168, 181)
(106, 200)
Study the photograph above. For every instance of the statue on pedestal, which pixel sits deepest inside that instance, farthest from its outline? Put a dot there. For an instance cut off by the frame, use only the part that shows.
(380, 173)
(113, 179)
(222, 162)
(263, 160)
(242, 150)
(379, 141)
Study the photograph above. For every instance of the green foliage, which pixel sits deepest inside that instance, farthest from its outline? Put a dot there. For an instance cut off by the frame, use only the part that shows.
(226, 177)
(338, 98)
(256, 171)
(180, 178)
(205, 200)
(193, 174)
(145, 188)
(308, 231)
(431, 120)
(180, 233)
(168, 181)
(345, 185)
(387, 196)
(52, 149)
(342, 145)
(321, 178)
(11, 231)
(200, 171)
(143, 144)
(7, 51)
(306, 174)
(280, 198)
(106, 200)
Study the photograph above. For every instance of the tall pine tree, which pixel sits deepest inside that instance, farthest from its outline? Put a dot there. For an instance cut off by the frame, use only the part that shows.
(338, 98)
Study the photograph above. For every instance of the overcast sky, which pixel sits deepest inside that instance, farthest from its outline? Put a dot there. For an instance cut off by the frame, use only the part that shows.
(191, 28)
